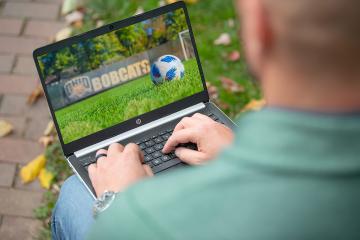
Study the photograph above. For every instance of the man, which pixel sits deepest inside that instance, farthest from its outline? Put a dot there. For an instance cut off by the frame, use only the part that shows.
(293, 170)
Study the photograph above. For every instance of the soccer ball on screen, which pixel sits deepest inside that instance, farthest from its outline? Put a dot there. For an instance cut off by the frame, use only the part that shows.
(167, 68)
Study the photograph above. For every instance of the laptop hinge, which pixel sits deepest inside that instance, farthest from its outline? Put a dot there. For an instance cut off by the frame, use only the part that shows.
(140, 129)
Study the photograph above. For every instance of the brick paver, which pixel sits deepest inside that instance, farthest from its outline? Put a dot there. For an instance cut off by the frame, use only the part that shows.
(10, 26)
(21, 45)
(25, 66)
(19, 228)
(38, 111)
(36, 127)
(7, 173)
(19, 202)
(17, 84)
(13, 104)
(18, 150)
(24, 26)
(44, 29)
(6, 62)
(35, 10)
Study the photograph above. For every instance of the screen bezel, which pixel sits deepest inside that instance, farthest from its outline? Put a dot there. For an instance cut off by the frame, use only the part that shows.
(129, 124)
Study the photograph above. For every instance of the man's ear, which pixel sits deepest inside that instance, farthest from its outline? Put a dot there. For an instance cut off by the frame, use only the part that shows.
(257, 33)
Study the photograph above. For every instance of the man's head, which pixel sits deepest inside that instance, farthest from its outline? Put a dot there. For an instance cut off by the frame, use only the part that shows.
(311, 42)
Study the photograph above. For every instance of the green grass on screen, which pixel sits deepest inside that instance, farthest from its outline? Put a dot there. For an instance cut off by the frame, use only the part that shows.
(124, 102)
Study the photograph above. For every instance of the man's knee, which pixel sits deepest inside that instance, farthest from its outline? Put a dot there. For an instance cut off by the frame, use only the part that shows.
(73, 194)
(73, 211)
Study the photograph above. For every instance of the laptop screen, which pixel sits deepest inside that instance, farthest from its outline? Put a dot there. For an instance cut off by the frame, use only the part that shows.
(103, 81)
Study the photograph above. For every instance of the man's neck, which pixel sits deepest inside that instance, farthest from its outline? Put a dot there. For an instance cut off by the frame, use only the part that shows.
(313, 93)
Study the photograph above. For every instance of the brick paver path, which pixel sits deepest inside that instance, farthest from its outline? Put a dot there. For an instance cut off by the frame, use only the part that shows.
(24, 25)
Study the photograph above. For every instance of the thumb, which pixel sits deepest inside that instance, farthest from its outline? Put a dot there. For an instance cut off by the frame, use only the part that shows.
(190, 156)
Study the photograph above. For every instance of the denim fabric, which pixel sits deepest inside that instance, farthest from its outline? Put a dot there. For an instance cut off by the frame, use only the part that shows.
(72, 216)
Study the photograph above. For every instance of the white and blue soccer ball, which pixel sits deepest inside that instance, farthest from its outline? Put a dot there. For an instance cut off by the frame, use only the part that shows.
(167, 68)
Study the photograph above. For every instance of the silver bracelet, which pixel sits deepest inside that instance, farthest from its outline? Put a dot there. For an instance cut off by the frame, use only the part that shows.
(103, 202)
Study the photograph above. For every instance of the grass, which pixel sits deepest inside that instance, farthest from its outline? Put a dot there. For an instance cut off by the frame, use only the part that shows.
(209, 20)
(125, 102)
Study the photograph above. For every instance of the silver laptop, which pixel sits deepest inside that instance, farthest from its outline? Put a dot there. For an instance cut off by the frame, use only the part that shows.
(129, 81)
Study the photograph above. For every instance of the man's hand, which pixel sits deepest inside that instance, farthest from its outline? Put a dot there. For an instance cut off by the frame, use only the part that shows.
(121, 168)
(209, 136)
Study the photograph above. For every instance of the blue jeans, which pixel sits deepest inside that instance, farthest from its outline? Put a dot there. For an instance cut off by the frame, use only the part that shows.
(72, 216)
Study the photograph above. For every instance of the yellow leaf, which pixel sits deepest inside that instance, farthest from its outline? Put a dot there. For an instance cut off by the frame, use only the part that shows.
(5, 128)
(45, 178)
(29, 172)
(49, 128)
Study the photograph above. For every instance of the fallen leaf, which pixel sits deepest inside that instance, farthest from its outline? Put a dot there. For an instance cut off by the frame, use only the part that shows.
(74, 17)
(231, 23)
(29, 172)
(138, 11)
(230, 85)
(63, 33)
(100, 23)
(49, 128)
(35, 95)
(213, 91)
(71, 5)
(46, 140)
(214, 96)
(234, 56)
(45, 178)
(55, 188)
(5, 128)
(254, 105)
(223, 39)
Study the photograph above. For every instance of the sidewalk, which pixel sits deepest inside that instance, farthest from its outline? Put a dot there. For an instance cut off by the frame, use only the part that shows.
(24, 25)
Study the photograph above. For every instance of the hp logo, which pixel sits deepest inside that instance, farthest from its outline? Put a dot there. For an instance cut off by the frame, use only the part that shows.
(138, 121)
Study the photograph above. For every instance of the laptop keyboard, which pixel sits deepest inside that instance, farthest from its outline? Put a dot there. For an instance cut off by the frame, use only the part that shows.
(152, 150)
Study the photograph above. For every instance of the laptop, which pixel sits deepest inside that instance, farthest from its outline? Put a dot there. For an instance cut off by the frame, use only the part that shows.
(128, 81)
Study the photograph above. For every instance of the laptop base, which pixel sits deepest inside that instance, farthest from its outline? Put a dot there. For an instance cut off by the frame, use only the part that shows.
(150, 144)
